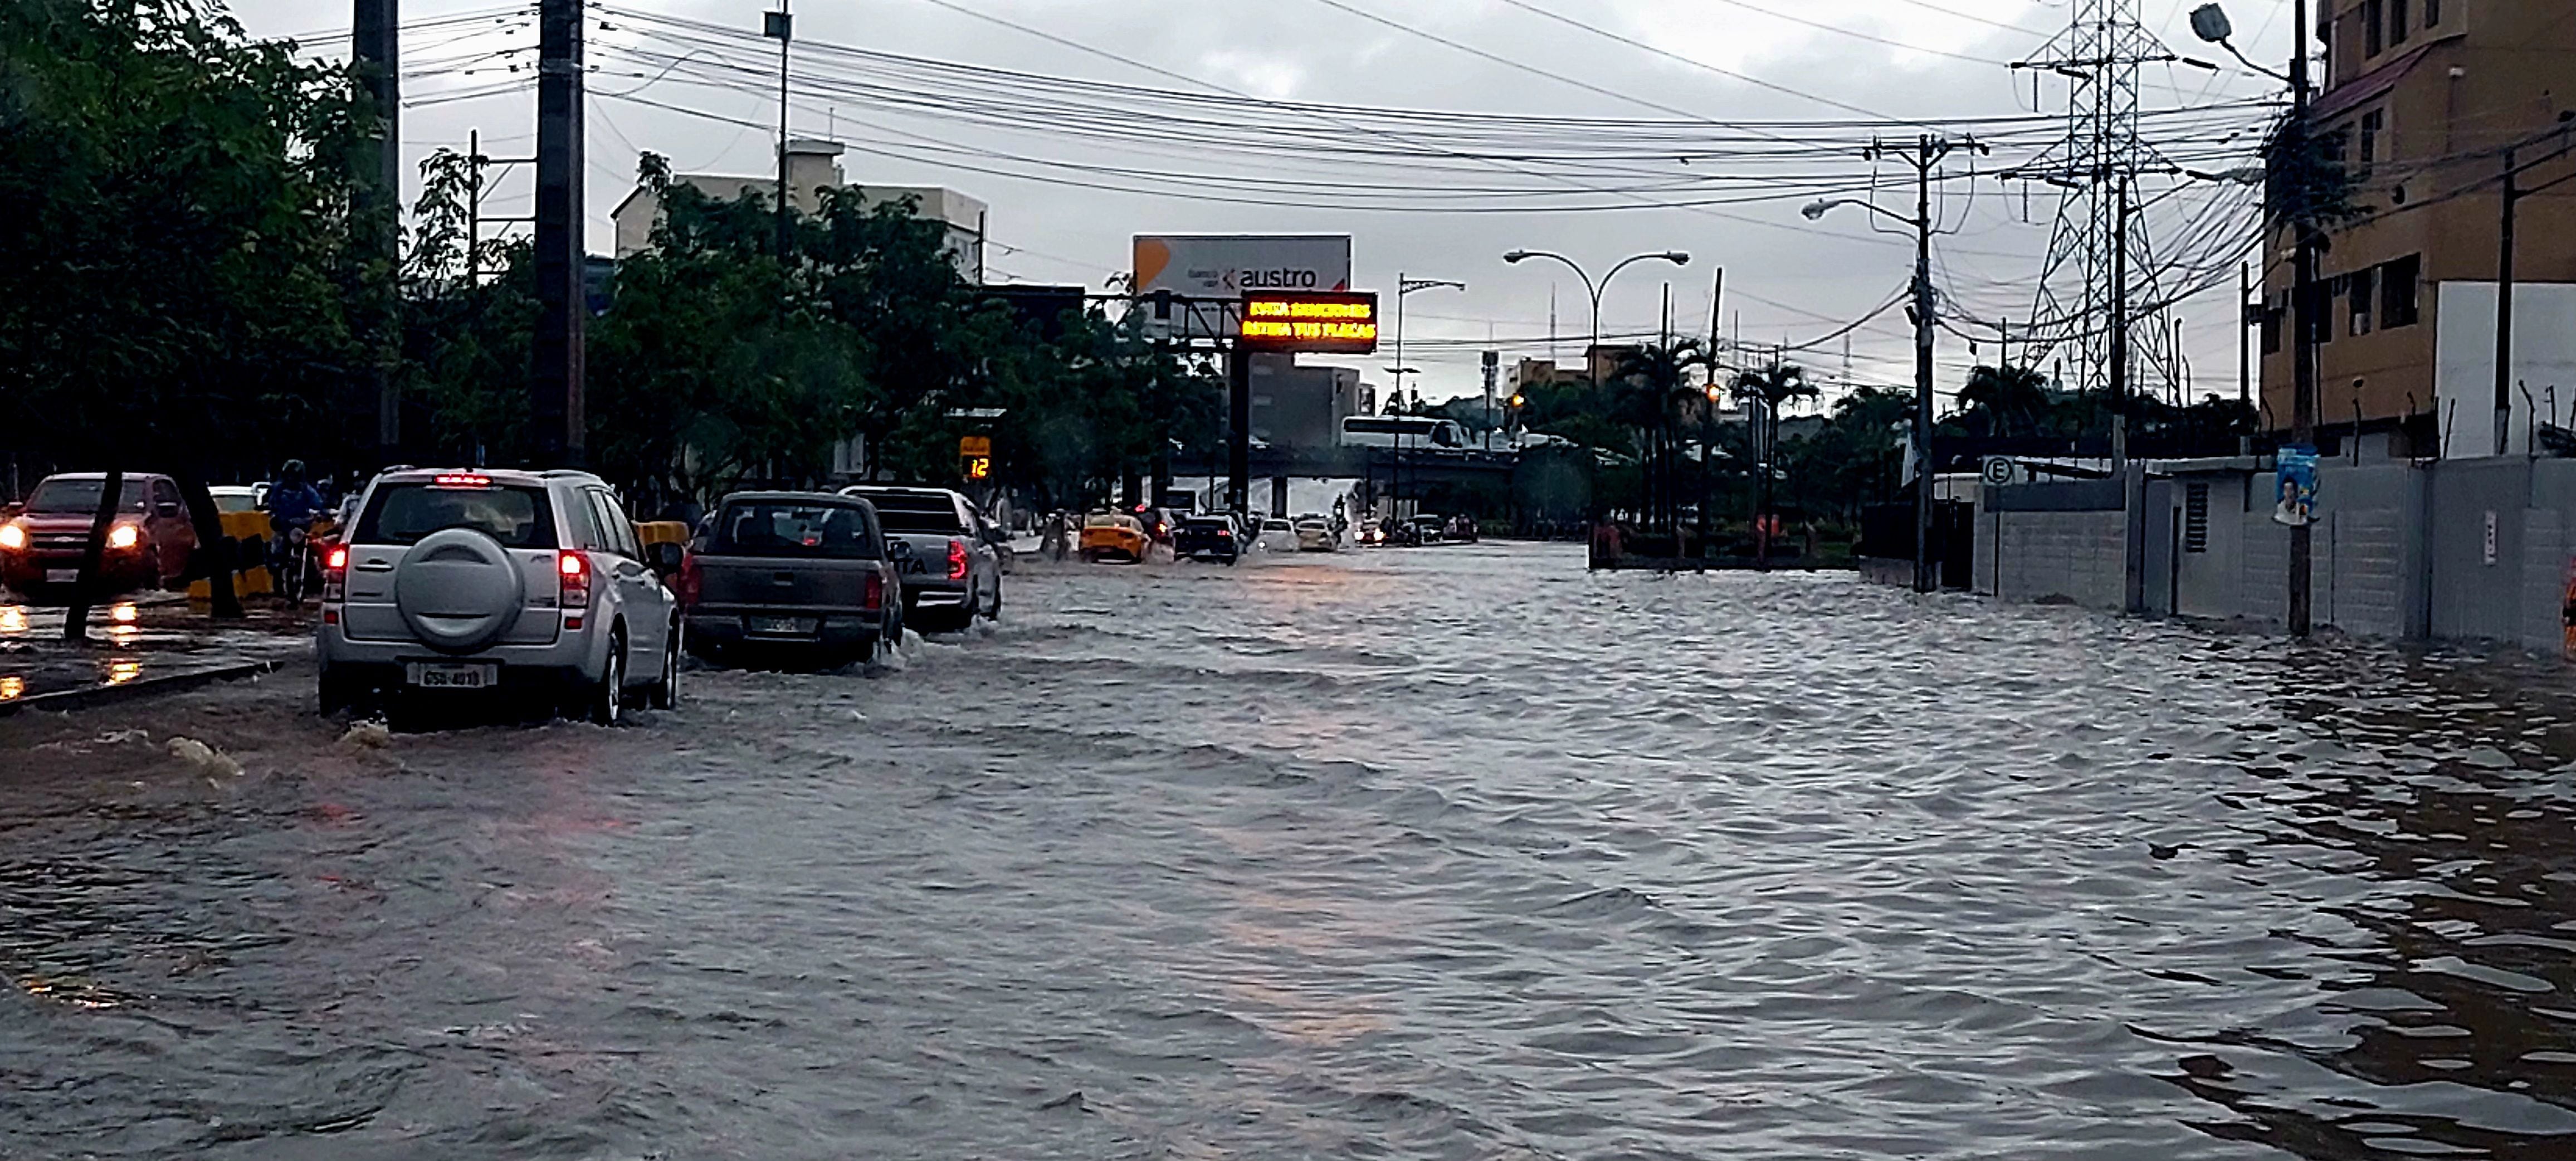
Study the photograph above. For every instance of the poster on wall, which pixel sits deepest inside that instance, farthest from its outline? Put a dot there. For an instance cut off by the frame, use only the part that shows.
(2567, 612)
(2298, 487)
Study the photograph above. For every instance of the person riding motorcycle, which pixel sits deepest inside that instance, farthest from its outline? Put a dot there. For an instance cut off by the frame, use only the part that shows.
(293, 503)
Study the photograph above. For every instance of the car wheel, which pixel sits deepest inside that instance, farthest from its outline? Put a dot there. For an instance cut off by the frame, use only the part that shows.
(666, 692)
(608, 695)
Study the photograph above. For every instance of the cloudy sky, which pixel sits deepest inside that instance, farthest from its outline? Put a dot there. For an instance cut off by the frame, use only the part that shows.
(1869, 66)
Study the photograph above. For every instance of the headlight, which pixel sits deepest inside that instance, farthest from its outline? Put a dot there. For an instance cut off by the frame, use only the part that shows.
(124, 536)
(13, 536)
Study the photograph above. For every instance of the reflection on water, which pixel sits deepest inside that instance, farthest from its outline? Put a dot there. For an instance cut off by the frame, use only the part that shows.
(13, 619)
(1439, 854)
(118, 672)
(12, 687)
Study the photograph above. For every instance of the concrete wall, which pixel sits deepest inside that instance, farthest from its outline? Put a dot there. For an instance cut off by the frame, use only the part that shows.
(2054, 543)
(2400, 551)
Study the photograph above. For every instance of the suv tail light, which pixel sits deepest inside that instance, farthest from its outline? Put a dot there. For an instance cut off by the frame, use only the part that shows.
(872, 593)
(956, 560)
(692, 581)
(572, 573)
(335, 578)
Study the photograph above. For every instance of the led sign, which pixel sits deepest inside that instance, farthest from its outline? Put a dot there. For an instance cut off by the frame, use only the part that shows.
(1324, 324)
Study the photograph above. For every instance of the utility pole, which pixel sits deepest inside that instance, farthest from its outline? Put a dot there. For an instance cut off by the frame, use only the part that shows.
(780, 26)
(2120, 330)
(2504, 304)
(555, 404)
(2303, 326)
(1928, 153)
(375, 50)
(1708, 420)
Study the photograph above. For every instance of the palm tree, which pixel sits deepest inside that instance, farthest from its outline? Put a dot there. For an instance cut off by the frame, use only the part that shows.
(2014, 397)
(1656, 379)
(1770, 388)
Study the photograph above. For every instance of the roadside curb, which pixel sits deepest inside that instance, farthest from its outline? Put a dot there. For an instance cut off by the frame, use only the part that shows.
(62, 701)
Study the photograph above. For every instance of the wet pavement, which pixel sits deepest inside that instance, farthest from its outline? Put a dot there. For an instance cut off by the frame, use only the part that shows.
(137, 641)
(1457, 853)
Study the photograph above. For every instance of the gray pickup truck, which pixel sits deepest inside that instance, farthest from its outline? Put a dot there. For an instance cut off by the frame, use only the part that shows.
(791, 576)
(951, 559)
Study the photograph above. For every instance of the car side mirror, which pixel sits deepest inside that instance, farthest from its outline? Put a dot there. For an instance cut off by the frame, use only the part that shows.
(664, 556)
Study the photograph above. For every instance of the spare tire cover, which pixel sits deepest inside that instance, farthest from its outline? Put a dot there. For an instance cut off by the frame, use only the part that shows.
(459, 590)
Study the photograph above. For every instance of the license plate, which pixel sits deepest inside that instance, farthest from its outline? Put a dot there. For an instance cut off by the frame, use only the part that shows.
(62, 576)
(783, 626)
(452, 675)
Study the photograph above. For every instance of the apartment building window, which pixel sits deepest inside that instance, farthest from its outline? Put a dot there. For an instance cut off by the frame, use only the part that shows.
(2363, 286)
(2432, 13)
(2396, 22)
(2398, 283)
(2271, 318)
(2374, 125)
(2371, 15)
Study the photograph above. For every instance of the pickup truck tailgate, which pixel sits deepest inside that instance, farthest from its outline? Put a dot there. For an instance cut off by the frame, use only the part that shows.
(746, 583)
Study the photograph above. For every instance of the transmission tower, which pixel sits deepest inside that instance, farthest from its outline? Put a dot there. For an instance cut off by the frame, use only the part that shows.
(2099, 167)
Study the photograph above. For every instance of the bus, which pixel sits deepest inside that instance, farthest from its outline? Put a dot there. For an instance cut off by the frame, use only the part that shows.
(1403, 431)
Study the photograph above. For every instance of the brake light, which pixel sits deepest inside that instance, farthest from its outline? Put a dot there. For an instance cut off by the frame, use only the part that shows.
(335, 577)
(691, 581)
(460, 480)
(872, 592)
(572, 572)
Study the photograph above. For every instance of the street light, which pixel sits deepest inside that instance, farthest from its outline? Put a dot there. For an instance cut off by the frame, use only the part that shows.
(1595, 290)
(1404, 287)
(2209, 22)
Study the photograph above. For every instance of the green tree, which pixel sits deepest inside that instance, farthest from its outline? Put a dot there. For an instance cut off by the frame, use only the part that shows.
(2005, 400)
(176, 212)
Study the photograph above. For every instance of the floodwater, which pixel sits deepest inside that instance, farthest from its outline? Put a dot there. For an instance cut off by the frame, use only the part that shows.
(1449, 853)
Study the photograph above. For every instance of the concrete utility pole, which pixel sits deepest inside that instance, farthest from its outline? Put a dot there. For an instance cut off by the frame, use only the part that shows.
(2514, 165)
(2303, 326)
(375, 49)
(782, 27)
(555, 403)
(1928, 153)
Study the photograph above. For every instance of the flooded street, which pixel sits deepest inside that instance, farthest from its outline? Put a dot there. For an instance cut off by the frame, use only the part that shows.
(1454, 853)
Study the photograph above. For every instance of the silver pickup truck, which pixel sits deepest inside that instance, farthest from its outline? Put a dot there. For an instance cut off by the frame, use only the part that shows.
(951, 559)
(796, 576)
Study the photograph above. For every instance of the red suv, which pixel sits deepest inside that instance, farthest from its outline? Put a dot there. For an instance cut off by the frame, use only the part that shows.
(147, 546)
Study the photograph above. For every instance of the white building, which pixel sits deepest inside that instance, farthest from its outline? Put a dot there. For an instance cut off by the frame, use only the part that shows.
(813, 166)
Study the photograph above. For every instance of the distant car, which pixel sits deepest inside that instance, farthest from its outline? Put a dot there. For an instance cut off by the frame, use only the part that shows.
(790, 574)
(1278, 535)
(1206, 538)
(1315, 534)
(1372, 533)
(1462, 529)
(950, 555)
(1114, 536)
(148, 541)
(476, 581)
(1428, 529)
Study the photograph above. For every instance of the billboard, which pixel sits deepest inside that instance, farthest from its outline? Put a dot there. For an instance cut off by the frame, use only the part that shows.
(1322, 324)
(1221, 268)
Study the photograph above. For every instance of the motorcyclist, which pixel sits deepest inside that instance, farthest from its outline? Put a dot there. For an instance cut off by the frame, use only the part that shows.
(292, 504)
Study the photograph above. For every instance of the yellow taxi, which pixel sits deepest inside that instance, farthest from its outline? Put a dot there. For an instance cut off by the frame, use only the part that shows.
(1114, 536)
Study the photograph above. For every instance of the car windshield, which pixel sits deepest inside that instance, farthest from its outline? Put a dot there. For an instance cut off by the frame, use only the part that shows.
(518, 517)
(240, 501)
(787, 528)
(57, 497)
(926, 515)
(1109, 522)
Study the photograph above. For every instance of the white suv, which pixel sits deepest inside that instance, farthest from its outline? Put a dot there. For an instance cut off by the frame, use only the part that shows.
(486, 579)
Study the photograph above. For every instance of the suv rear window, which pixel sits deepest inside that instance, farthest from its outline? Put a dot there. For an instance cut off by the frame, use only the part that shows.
(931, 515)
(787, 528)
(518, 517)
